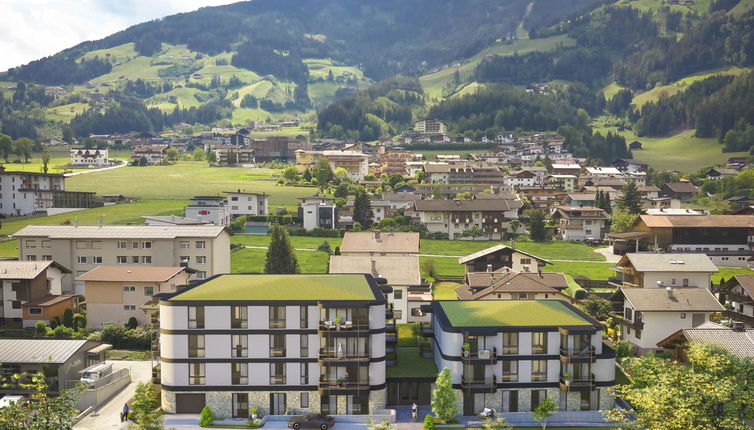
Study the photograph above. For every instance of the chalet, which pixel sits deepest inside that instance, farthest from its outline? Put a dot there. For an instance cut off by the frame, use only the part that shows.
(738, 295)
(543, 197)
(635, 145)
(28, 282)
(683, 191)
(456, 217)
(575, 223)
(579, 199)
(152, 154)
(521, 178)
(505, 284)
(719, 173)
(566, 169)
(651, 270)
(625, 165)
(738, 341)
(502, 257)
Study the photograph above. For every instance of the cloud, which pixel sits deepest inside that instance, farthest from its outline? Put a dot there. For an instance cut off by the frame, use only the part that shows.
(33, 29)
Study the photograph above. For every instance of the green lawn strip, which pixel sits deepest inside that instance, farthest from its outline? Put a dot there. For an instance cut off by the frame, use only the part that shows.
(447, 266)
(411, 364)
(252, 261)
(572, 286)
(591, 270)
(445, 290)
(406, 335)
(128, 354)
(9, 249)
(728, 272)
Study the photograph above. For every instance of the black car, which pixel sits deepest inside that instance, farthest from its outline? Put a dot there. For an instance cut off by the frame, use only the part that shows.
(313, 421)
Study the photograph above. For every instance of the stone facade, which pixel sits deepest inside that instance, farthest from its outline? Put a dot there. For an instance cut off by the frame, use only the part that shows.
(168, 401)
(221, 403)
(607, 401)
(377, 400)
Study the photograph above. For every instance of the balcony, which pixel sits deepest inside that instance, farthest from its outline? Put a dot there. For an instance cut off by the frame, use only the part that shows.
(426, 330)
(277, 351)
(738, 298)
(332, 356)
(334, 385)
(636, 325)
(739, 317)
(577, 384)
(479, 385)
(584, 354)
(332, 327)
(389, 314)
(482, 356)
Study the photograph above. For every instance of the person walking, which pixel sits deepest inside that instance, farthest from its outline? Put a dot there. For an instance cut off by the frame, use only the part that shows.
(414, 412)
(124, 414)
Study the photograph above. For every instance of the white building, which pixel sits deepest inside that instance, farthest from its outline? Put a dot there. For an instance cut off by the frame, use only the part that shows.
(83, 157)
(23, 193)
(211, 209)
(247, 204)
(511, 363)
(309, 343)
(579, 223)
(318, 212)
(651, 270)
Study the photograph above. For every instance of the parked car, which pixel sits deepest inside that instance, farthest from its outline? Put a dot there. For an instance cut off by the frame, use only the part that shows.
(314, 421)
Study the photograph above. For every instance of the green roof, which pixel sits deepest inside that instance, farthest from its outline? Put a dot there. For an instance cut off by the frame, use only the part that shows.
(513, 313)
(258, 287)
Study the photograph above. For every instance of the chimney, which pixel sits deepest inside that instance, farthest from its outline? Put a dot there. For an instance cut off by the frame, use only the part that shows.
(374, 267)
(539, 272)
(669, 290)
(489, 268)
(376, 236)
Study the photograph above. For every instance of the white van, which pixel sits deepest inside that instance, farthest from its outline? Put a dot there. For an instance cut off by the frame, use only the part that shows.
(7, 400)
(96, 372)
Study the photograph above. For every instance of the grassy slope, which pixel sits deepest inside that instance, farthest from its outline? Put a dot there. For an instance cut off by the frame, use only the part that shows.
(66, 112)
(680, 85)
(610, 90)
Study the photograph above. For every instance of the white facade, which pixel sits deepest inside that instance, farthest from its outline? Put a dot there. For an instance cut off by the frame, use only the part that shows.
(247, 204)
(23, 193)
(90, 157)
(213, 211)
(659, 325)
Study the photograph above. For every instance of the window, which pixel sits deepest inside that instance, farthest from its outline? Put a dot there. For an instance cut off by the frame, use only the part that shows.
(304, 400)
(200, 244)
(80, 244)
(398, 294)
(35, 311)
(510, 343)
(47, 257)
(30, 244)
(239, 345)
(148, 291)
(147, 259)
(539, 342)
(184, 244)
(239, 374)
(146, 245)
(526, 261)
(196, 374)
(129, 307)
(97, 244)
(539, 370)
(185, 259)
(46, 244)
(304, 373)
(536, 397)
(201, 274)
(122, 245)
(238, 316)
(277, 316)
(277, 345)
(121, 259)
(128, 289)
(81, 259)
(135, 259)
(398, 313)
(685, 282)
(135, 245)
(303, 313)
(196, 345)
(196, 317)
(201, 259)
(277, 373)
(31, 258)
(96, 260)
(510, 371)
(304, 343)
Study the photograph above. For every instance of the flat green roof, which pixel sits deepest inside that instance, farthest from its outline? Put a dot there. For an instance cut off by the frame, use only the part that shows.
(512, 313)
(260, 287)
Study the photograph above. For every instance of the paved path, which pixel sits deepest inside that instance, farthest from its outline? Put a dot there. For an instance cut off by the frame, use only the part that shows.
(107, 416)
(608, 254)
(123, 163)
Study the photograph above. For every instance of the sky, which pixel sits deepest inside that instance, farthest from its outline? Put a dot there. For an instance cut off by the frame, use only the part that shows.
(32, 29)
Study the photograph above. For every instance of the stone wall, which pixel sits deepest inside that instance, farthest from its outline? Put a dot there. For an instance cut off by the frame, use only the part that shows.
(221, 402)
(168, 401)
(377, 400)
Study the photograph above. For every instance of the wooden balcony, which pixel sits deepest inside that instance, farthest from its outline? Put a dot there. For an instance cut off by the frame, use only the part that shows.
(579, 384)
(479, 385)
(739, 317)
(479, 356)
(577, 355)
(627, 322)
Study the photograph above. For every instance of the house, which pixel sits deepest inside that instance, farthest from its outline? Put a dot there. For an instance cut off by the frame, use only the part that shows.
(630, 166)
(574, 223)
(430, 126)
(739, 342)
(567, 183)
(635, 145)
(117, 293)
(498, 257)
(47, 308)
(205, 248)
(683, 191)
(355, 163)
(247, 204)
(28, 281)
(652, 314)
(402, 274)
(61, 361)
(318, 212)
(542, 197)
(84, 157)
(521, 178)
(649, 191)
(490, 217)
(579, 199)
(462, 173)
(726, 239)
(212, 209)
(719, 172)
(738, 295)
(508, 355)
(652, 270)
(506, 284)
(239, 341)
(380, 244)
(566, 169)
(152, 154)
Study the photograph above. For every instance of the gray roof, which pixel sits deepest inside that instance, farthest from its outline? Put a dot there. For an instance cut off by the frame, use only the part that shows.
(379, 242)
(403, 270)
(501, 205)
(496, 248)
(739, 343)
(26, 269)
(652, 262)
(118, 231)
(54, 351)
(689, 299)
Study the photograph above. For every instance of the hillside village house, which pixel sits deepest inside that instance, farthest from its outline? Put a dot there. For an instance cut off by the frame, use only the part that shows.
(310, 343)
(380, 243)
(738, 295)
(401, 273)
(117, 293)
(154, 154)
(521, 351)
(430, 126)
(82, 248)
(506, 284)
(462, 173)
(232, 155)
(25, 193)
(683, 191)
(28, 281)
(652, 270)
(247, 204)
(83, 157)
(574, 223)
(278, 148)
(47, 308)
(567, 183)
(739, 342)
(521, 178)
(652, 314)
(453, 217)
(498, 257)
(211, 209)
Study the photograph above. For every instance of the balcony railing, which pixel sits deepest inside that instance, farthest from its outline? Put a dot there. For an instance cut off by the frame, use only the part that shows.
(277, 352)
(576, 384)
(738, 316)
(738, 298)
(345, 325)
(425, 350)
(574, 354)
(333, 355)
(329, 384)
(636, 325)
(277, 323)
(480, 355)
(488, 383)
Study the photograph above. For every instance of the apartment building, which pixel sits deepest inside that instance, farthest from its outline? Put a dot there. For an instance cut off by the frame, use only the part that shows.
(652, 270)
(454, 217)
(575, 223)
(298, 343)
(510, 354)
(430, 126)
(23, 193)
(278, 148)
(247, 204)
(377, 243)
(355, 163)
(210, 209)
(463, 173)
(154, 154)
(117, 293)
(83, 157)
(82, 248)
(232, 155)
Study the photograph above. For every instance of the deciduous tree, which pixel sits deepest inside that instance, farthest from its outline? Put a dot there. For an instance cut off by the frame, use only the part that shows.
(443, 397)
(622, 221)
(544, 411)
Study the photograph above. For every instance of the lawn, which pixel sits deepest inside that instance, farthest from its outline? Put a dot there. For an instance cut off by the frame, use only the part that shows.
(412, 365)
(186, 179)
(252, 261)
(610, 90)
(445, 290)
(728, 272)
(128, 354)
(680, 85)
(590, 270)
(546, 250)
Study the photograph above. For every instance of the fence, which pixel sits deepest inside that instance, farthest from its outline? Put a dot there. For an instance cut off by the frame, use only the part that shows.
(101, 390)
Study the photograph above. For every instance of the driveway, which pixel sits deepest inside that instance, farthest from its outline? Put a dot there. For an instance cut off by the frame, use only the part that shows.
(107, 415)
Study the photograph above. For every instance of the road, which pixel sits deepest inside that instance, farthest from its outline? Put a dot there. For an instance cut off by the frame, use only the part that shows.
(123, 163)
(107, 416)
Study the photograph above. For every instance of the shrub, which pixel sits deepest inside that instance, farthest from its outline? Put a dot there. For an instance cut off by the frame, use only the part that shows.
(62, 331)
(145, 400)
(579, 294)
(325, 247)
(40, 329)
(429, 423)
(68, 317)
(132, 323)
(206, 419)
(55, 322)
(623, 349)
(120, 337)
(79, 321)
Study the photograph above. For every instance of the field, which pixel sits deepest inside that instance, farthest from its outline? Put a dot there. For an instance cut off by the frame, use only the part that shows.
(60, 157)
(610, 90)
(66, 112)
(680, 85)
(682, 152)
(699, 6)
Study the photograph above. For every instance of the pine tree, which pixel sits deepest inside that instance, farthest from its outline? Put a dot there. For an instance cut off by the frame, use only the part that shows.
(280, 255)
(537, 229)
(606, 205)
(362, 210)
(631, 199)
